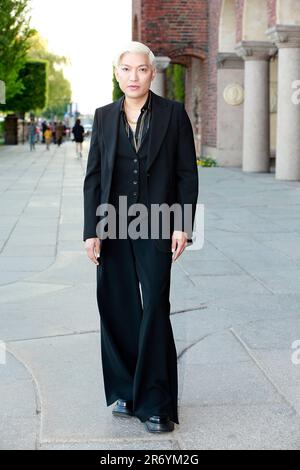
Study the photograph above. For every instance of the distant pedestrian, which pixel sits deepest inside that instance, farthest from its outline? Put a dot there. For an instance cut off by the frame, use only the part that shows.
(32, 134)
(44, 127)
(59, 132)
(48, 137)
(78, 132)
(53, 127)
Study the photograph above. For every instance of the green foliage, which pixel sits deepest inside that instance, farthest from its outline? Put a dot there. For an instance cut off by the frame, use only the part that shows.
(58, 87)
(206, 161)
(59, 95)
(14, 35)
(175, 82)
(34, 78)
(117, 92)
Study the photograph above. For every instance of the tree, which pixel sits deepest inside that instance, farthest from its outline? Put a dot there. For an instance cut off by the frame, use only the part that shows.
(34, 93)
(59, 88)
(15, 32)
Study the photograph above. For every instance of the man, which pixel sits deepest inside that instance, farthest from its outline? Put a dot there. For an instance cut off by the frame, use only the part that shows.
(78, 132)
(142, 148)
(32, 132)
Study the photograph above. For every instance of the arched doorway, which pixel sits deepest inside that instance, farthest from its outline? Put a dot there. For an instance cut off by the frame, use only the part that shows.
(192, 59)
(229, 90)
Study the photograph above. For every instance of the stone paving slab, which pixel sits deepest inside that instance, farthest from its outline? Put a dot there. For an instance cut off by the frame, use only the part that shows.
(19, 406)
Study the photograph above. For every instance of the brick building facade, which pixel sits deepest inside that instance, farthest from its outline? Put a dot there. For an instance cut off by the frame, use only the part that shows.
(242, 60)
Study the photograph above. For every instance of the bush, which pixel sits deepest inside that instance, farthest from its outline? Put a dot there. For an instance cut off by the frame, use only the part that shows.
(175, 82)
(206, 161)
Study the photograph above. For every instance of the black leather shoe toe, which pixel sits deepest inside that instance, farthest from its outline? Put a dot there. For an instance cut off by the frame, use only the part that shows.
(123, 408)
(159, 424)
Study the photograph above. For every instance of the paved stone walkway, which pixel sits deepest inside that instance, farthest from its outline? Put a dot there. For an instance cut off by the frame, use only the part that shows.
(235, 315)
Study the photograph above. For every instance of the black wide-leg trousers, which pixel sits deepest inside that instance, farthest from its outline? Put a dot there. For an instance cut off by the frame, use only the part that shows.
(139, 359)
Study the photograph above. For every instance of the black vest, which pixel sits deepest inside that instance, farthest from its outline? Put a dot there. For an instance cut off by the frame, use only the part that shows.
(129, 176)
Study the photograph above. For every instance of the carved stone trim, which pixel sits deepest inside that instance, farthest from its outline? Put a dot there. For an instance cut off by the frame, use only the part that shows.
(255, 50)
(162, 63)
(285, 35)
(229, 60)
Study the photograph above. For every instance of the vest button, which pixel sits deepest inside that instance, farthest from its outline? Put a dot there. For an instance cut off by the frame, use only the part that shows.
(135, 160)
(134, 171)
(134, 182)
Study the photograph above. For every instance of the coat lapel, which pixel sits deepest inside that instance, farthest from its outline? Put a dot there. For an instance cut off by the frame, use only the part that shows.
(110, 129)
(160, 117)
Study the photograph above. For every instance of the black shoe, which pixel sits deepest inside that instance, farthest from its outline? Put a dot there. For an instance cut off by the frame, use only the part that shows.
(123, 408)
(159, 424)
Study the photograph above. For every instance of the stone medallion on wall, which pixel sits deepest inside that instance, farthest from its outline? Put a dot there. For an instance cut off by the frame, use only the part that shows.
(233, 94)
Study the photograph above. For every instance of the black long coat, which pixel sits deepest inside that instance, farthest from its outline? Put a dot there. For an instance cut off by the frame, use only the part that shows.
(172, 175)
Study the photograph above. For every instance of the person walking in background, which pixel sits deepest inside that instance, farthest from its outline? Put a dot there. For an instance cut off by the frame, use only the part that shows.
(44, 127)
(48, 137)
(32, 134)
(37, 133)
(53, 128)
(59, 132)
(78, 132)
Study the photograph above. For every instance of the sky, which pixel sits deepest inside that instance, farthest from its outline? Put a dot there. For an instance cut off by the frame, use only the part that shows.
(89, 32)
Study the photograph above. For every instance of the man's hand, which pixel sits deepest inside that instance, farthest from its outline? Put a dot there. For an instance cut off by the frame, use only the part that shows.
(179, 242)
(93, 247)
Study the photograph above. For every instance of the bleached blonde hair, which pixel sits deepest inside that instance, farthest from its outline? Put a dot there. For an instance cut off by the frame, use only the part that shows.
(137, 47)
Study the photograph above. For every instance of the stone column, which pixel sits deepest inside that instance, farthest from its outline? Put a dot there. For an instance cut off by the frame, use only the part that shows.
(256, 138)
(158, 84)
(287, 39)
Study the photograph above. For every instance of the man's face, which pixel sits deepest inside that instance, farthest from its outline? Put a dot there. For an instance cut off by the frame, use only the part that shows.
(134, 74)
